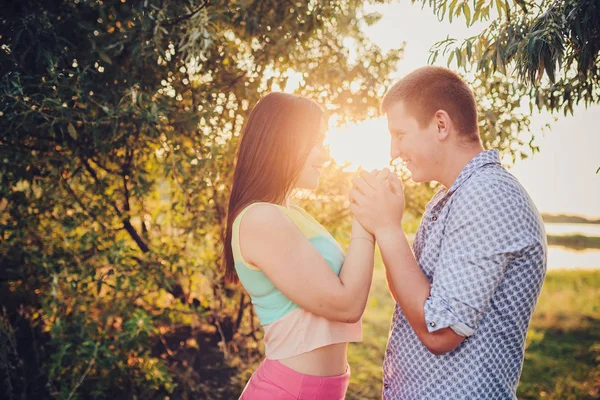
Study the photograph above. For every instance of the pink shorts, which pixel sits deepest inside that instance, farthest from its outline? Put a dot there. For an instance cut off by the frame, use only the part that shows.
(274, 381)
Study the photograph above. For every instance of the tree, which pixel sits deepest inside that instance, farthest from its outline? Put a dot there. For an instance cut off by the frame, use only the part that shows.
(119, 121)
(118, 126)
(552, 45)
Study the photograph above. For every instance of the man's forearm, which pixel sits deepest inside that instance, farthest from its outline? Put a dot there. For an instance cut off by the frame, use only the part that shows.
(410, 287)
(408, 284)
(390, 286)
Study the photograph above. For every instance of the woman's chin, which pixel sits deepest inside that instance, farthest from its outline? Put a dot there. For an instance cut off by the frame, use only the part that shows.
(312, 185)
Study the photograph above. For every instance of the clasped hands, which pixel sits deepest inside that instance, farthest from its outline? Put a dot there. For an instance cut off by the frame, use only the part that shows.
(377, 201)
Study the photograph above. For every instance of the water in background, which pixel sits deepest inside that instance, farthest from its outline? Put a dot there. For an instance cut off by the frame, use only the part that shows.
(573, 229)
(563, 257)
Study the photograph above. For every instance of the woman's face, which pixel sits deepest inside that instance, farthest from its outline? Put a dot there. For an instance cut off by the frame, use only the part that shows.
(310, 172)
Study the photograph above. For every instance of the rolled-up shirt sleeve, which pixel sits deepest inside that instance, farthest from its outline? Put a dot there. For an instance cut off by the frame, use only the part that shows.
(479, 242)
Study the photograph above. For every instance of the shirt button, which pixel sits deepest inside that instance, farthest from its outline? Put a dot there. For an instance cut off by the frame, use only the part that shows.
(432, 324)
(434, 218)
(386, 386)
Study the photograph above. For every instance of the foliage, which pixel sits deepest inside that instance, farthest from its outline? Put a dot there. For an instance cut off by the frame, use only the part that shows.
(556, 39)
(119, 122)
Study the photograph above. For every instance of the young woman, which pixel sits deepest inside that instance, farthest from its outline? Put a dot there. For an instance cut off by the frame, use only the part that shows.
(308, 295)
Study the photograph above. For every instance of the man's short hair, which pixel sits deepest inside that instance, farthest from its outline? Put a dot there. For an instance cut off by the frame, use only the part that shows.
(429, 89)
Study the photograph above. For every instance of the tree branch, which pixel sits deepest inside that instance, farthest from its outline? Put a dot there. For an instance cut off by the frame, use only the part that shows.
(220, 215)
(105, 168)
(240, 314)
(125, 176)
(21, 146)
(126, 222)
(78, 201)
(135, 236)
(87, 371)
(187, 16)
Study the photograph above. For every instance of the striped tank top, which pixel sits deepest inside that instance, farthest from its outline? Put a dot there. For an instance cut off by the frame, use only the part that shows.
(289, 329)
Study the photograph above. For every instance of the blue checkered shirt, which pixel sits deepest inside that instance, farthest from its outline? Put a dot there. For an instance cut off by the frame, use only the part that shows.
(483, 247)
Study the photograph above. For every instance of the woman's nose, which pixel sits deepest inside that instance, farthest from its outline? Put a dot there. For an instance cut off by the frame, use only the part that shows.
(325, 153)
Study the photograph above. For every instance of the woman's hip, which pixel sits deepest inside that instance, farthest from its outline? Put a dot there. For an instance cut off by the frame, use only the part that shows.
(273, 380)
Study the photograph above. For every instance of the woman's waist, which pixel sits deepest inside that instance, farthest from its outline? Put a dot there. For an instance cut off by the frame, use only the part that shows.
(330, 360)
(301, 332)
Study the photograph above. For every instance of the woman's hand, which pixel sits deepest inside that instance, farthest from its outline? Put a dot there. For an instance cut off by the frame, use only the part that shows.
(377, 200)
(357, 229)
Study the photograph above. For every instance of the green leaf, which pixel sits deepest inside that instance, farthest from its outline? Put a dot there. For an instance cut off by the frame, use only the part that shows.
(433, 55)
(104, 57)
(72, 131)
(477, 14)
(467, 11)
(451, 9)
(500, 5)
(372, 18)
(444, 7)
(458, 57)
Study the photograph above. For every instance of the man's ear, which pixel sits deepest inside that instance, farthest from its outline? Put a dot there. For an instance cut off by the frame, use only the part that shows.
(442, 120)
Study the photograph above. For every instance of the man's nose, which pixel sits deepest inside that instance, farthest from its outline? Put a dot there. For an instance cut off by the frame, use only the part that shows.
(395, 151)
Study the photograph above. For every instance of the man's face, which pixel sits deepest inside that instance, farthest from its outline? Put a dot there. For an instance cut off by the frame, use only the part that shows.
(417, 146)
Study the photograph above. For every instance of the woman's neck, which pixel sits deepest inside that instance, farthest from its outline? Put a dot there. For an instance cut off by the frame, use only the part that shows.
(287, 202)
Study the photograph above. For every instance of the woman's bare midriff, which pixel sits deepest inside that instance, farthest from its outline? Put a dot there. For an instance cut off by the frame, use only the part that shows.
(325, 361)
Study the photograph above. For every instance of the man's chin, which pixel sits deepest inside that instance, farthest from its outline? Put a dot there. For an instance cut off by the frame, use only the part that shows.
(422, 179)
(416, 177)
(413, 175)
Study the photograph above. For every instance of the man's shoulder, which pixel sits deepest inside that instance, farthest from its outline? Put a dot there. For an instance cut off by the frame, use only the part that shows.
(491, 182)
(495, 196)
(493, 190)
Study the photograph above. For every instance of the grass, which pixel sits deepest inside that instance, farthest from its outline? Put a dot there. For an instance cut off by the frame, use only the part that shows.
(562, 360)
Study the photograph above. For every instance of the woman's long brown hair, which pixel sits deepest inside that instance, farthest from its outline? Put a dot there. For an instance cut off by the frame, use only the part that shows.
(276, 141)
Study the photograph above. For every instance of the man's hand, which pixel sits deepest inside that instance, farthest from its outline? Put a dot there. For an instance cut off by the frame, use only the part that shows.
(381, 174)
(377, 200)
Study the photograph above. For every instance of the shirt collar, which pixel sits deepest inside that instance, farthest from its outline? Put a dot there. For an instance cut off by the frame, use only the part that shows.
(480, 160)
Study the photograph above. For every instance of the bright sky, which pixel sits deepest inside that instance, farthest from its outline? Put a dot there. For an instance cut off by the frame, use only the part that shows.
(561, 178)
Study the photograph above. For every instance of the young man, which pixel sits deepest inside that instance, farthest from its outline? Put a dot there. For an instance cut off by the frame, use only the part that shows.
(466, 291)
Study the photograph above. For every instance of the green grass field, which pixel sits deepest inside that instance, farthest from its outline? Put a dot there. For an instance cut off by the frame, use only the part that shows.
(563, 344)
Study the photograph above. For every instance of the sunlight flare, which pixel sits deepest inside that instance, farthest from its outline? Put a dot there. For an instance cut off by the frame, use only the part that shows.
(365, 144)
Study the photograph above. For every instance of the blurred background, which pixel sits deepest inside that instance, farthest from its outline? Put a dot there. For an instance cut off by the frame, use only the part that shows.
(119, 122)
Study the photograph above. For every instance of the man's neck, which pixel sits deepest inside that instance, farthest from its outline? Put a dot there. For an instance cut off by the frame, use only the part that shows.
(457, 162)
